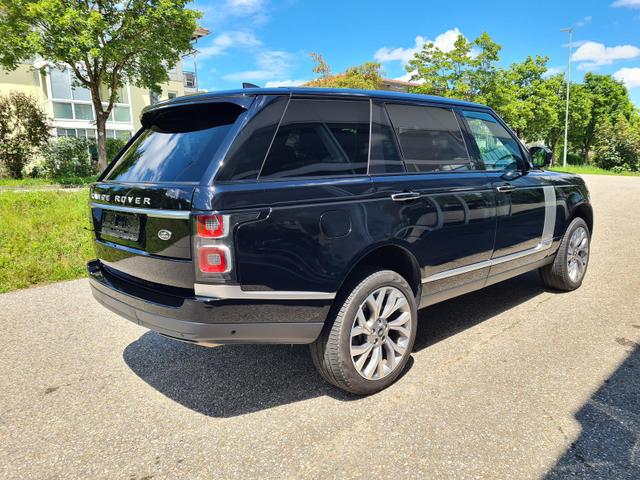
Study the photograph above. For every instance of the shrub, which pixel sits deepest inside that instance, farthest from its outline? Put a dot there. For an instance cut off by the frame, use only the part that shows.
(24, 131)
(114, 145)
(68, 157)
(618, 145)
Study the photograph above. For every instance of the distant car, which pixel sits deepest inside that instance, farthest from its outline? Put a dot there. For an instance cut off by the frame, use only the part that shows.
(326, 217)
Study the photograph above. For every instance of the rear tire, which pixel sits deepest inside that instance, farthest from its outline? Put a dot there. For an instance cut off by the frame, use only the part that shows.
(368, 337)
(570, 265)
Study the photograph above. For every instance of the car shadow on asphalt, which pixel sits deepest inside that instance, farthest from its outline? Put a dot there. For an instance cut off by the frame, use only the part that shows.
(232, 380)
(609, 443)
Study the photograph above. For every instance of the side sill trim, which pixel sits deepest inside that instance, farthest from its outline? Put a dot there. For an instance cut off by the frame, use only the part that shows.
(149, 212)
(236, 292)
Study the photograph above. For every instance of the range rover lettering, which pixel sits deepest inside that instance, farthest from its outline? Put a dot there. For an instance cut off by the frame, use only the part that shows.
(325, 217)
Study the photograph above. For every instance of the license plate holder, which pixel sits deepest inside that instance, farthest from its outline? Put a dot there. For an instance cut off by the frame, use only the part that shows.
(125, 226)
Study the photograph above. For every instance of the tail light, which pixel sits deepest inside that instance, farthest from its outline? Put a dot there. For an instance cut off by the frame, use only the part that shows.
(213, 245)
(212, 226)
(214, 259)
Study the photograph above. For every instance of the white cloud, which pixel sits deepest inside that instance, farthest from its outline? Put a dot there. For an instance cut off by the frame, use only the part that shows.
(243, 7)
(284, 83)
(629, 76)
(553, 71)
(227, 40)
(584, 21)
(593, 54)
(271, 64)
(626, 3)
(444, 42)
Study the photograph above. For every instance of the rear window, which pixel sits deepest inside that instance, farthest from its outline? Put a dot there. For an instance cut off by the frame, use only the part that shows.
(320, 138)
(176, 145)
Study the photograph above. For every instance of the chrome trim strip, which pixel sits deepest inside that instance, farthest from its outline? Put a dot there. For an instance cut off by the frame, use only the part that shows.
(236, 292)
(149, 212)
(545, 242)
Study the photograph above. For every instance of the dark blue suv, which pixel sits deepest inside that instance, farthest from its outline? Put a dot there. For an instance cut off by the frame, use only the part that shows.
(326, 217)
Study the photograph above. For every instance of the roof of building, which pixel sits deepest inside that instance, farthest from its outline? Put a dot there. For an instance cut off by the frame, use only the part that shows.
(338, 92)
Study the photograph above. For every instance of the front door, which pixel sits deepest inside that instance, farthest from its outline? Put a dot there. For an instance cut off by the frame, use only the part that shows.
(526, 207)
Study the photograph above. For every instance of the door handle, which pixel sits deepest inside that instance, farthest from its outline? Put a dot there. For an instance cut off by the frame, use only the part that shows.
(405, 196)
(506, 188)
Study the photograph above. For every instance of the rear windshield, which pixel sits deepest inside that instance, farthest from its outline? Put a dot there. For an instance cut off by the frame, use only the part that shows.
(176, 145)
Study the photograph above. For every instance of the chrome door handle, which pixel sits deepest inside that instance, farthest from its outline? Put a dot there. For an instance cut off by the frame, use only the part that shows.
(506, 188)
(405, 196)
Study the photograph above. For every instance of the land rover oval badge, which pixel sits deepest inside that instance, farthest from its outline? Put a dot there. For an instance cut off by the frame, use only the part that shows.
(164, 234)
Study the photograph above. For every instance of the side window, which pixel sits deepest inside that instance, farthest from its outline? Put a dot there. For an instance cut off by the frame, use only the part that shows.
(498, 149)
(247, 153)
(320, 138)
(430, 138)
(385, 157)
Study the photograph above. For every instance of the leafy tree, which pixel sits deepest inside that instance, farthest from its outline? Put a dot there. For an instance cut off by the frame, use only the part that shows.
(609, 99)
(465, 72)
(366, 76)
(104, 43)
(24, 131)
(525, 98)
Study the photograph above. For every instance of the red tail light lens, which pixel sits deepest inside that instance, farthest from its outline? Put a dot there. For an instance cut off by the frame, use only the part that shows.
(214, 259)
(211, 226)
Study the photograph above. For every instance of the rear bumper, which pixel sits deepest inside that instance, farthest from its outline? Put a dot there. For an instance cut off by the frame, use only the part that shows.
(205, 320)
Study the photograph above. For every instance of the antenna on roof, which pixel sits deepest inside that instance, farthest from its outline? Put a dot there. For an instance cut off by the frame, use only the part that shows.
(249, 85)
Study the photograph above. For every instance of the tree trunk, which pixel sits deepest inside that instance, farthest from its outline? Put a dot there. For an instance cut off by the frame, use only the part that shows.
(101, 126)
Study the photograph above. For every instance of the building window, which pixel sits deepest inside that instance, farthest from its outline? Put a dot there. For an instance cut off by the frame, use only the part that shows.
(189, 79)
(72, 102)
(171, 95)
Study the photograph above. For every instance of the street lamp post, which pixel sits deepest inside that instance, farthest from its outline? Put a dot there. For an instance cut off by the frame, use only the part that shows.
(566, 113)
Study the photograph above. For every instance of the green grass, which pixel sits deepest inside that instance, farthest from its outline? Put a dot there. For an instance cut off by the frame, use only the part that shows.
(43, 182)
(43, 237)
(590, 170)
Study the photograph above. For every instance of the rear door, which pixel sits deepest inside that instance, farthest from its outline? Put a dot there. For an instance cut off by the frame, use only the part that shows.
(433, 197)
(141, 205)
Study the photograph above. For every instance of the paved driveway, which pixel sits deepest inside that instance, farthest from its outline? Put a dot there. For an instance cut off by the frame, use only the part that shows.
(509, 382)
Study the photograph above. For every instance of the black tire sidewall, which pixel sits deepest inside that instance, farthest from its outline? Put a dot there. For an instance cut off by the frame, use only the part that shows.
(564, 251)
(356, 382)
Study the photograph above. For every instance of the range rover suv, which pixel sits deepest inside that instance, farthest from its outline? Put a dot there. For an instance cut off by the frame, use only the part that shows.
(326, 217)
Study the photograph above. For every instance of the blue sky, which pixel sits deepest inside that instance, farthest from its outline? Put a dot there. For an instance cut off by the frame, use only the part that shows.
(268, 42)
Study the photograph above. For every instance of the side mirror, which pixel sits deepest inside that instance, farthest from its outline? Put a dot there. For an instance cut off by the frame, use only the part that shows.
(542, 157)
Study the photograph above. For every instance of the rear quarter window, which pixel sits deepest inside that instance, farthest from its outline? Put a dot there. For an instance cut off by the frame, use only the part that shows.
(176, 145)
(319, 138)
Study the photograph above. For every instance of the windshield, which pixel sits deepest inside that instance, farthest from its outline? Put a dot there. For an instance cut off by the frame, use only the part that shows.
(176, 145)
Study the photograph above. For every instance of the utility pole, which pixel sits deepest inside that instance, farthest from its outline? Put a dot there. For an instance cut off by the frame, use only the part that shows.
(566, 114)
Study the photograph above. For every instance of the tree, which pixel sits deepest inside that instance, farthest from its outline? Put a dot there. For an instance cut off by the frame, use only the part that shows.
(525, 98)
(609, 98)
(24, 131)
(104, 42)
(465, 72)
(366, 76)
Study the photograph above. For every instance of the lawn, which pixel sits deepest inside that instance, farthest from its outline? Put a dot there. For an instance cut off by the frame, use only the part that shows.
(42, 182)
(43, 237)
(589, 170)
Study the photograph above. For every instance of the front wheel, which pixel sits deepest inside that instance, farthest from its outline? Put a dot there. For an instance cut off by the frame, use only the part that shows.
(365, 345)
(570, 265)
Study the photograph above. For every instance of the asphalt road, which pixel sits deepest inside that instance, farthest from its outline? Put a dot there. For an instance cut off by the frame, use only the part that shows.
(509, 382)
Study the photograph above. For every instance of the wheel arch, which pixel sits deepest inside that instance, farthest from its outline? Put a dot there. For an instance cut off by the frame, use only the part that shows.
(389, 256)
(583, 210)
